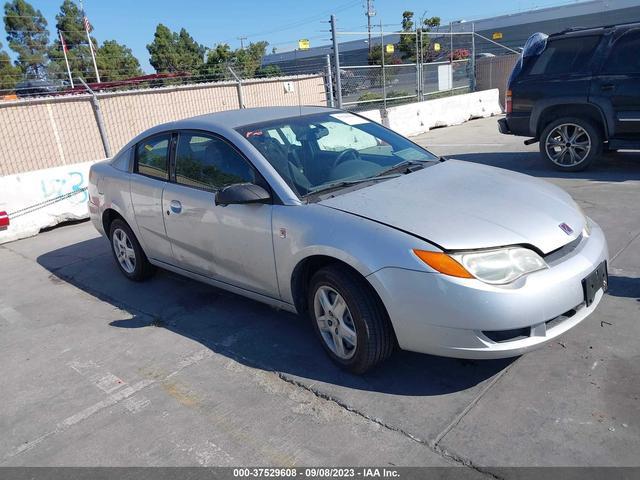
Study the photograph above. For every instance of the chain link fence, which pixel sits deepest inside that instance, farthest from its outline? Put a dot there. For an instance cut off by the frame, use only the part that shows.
(49, 131)
(416, 66)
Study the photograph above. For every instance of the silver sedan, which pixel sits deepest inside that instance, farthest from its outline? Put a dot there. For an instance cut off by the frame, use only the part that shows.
(380, 243)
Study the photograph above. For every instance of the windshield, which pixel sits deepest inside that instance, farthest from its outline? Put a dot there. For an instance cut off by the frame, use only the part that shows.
(312, 152)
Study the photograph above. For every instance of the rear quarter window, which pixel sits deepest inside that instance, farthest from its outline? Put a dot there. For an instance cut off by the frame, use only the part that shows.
(565, 56)
(625, 55)
(152, 157)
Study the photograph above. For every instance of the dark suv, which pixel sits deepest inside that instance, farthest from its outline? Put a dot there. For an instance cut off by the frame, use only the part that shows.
(577, 93)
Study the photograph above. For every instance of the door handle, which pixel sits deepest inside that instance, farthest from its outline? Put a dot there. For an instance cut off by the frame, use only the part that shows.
(176, 206)
(607, 87)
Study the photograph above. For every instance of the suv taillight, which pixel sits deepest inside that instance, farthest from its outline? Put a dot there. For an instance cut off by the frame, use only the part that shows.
(508, 102)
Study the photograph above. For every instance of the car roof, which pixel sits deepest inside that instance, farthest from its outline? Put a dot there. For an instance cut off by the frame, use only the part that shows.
(249, 116)
(229, 120)
(578, 31)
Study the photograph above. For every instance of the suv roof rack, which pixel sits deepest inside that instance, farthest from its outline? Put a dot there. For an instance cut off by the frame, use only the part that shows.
(601, 27)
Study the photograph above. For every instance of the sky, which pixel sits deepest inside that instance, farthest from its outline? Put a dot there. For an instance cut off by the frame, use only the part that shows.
(281, 22)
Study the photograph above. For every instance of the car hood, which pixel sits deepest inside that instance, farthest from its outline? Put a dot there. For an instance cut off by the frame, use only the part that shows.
(462, 205)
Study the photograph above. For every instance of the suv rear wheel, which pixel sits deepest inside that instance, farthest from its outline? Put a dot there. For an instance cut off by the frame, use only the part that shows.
(571, 144)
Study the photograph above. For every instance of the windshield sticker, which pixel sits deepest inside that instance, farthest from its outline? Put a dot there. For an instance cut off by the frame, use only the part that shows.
(350, 119)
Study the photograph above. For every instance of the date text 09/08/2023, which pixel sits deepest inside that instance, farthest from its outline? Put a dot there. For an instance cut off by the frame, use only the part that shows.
(315, 472)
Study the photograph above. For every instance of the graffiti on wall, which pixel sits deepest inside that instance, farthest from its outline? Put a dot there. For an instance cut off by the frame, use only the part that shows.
(73, 181)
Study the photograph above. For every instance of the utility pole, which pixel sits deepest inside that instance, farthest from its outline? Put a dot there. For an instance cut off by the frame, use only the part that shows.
(336, 61)
(242, 39)
(370, 13)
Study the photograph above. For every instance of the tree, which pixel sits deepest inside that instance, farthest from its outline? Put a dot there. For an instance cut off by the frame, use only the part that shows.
(246, 62)
(215, 68)
(375, 56)
(175, 52)
(268, 71)
(70, 23)
(9, 73)
(162, 51)
(407, 43)
(28, 36)
(249, 59)
(116, 62)
(191, 53)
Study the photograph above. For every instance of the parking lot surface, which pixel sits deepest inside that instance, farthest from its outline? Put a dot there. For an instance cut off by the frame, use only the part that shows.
(98, 370)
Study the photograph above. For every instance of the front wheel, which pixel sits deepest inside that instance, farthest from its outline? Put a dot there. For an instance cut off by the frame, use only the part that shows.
(349, 319)
(571, 144)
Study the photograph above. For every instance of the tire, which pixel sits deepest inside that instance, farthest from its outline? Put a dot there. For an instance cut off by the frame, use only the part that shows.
(571, 144)
(364, 314)
(129, 256)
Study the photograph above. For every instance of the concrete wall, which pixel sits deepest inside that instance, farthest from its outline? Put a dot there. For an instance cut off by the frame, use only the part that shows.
(420, 117)
(35, 189)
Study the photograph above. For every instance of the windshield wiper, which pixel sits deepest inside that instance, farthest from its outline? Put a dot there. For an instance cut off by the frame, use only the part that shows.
(348, 183)
(400, 166)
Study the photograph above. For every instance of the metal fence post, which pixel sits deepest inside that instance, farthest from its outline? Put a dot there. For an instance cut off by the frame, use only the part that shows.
(239, 87)
(384, 76)
(95, 104)
(418, 72)
(473, 57)
(329, 83)
(336, 61)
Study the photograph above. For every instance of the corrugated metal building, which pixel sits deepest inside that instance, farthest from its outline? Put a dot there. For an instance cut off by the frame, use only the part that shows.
(510, 30)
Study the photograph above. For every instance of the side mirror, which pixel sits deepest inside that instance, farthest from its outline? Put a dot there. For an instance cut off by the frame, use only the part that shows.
(241, 193)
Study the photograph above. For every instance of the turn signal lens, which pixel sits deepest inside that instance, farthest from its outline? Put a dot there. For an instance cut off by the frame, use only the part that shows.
(442, 263)
(508, 102)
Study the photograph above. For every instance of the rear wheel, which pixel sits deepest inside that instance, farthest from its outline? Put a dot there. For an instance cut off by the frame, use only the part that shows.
(349, 319)
(130, 257)
(571, 144)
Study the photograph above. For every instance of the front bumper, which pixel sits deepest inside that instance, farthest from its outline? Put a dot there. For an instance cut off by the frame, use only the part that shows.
(455, 317)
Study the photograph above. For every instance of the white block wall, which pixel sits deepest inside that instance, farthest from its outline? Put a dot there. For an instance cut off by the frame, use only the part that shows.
(420, 117)
(26, 189)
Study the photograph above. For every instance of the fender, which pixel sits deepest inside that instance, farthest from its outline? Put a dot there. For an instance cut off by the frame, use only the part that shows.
(543, 105)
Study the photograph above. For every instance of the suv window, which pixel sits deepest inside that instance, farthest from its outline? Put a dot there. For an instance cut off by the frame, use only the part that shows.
(565, 55)
(152, 155)
(624, 56)
(210, 163)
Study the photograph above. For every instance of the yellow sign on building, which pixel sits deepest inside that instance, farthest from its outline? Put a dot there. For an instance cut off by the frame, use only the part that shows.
(303, 44)
(436, 47)
(497, 35)
(390, 48)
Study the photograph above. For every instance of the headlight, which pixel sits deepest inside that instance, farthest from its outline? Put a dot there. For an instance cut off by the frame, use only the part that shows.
(501, 266)
(493, 266)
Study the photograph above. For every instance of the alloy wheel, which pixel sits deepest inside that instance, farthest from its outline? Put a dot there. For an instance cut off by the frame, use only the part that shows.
(568, 145)
(123, 248)
(335, 322)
